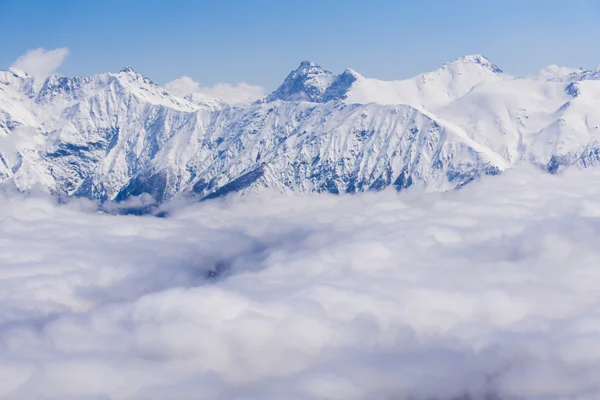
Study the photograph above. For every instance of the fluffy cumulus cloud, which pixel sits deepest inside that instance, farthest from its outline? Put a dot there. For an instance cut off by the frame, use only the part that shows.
(182, 86)
(490, 292)
(240, 94)
(41, 63)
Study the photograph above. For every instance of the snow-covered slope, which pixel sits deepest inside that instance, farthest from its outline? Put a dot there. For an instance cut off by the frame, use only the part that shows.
(551, 124)
(429, 90)
(206, 102)
(116, 135)
(305, 147)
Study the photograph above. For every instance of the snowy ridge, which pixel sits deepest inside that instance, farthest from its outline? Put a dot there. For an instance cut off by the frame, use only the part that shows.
(312, 83)
(116, 135)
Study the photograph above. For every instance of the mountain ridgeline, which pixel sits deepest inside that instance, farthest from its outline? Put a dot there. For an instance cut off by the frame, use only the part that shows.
(116, 136)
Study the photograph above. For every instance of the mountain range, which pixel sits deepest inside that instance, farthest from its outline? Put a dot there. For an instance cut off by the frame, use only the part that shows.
(115, 136)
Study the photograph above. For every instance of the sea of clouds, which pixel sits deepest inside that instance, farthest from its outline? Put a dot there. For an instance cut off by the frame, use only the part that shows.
(488, 292)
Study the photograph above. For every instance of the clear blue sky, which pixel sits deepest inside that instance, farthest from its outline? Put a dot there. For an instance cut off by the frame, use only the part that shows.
(259, 41)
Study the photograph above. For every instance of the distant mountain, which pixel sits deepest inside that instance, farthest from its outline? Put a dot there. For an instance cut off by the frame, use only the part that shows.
(554, 73)
(117, 135)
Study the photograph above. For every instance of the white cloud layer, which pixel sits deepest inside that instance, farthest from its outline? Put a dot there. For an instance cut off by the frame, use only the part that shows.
(490, 290)
(41, 63)
(240, 94)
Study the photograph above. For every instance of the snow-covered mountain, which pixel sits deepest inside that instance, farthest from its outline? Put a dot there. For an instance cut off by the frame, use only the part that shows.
(453, 80)
(117, 135)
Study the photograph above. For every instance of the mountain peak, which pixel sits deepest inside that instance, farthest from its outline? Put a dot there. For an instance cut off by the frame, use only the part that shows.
(309, 68)
(128, 74)
(308, 82)
(351, 72)
(308, 64)
(341, 85)
(128, 69)
(475, 59)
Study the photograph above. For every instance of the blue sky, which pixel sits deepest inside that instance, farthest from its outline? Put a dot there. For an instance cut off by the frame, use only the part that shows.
(260, 41)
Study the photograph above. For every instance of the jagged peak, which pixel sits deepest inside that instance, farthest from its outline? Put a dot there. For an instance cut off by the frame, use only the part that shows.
(308, 67)
(127, 70)
(311, 82)
(308, 82)
(308, 64)
(130, 74)
(572, 89)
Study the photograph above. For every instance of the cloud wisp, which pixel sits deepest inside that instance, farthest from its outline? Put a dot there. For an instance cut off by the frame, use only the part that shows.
(41, 63)
(234, 94)
(486, 291)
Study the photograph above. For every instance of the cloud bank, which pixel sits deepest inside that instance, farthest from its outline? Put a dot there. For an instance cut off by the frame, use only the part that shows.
(490, 292)
(41, 63)
(240, 94)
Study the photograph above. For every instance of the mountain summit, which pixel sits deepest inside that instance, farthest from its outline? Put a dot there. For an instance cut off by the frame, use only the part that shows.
(306, 83)
(476, 60)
